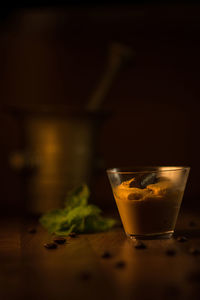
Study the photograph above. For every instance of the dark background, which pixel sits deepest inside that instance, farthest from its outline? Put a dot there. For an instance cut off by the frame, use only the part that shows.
(56, 55)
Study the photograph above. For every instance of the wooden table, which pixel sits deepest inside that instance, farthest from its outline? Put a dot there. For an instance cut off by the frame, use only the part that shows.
(76, 270)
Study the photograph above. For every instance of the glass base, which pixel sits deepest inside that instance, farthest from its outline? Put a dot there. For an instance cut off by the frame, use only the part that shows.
(151, 236)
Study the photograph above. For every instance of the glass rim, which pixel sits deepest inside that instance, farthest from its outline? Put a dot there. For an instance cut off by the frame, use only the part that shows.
(146, 169)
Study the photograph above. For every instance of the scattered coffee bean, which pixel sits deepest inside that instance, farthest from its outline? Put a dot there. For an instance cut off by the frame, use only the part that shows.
(170, 252)
(50, 245)
(140, 245)
(106, 254)
(120, 264)
(59, 240)
(194, 276)
(194, 251)
(73, 234)
(85, 275)
(32, 230)
(181, 239)
(192, 224)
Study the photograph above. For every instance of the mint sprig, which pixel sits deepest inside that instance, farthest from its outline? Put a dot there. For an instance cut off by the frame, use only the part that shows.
(77, 215)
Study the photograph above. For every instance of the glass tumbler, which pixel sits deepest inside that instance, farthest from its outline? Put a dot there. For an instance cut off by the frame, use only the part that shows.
(148, 199)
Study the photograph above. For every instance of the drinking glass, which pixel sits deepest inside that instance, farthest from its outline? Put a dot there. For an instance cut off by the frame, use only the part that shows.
(148, 199)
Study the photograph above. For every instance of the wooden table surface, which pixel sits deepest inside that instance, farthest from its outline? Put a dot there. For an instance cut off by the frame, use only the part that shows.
(76, 270)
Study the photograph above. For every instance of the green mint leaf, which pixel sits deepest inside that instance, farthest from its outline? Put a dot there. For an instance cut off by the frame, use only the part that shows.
(53, 219)
(77, 197)
(65, 231)
(77, 216)
(98, 224)
(81, 212)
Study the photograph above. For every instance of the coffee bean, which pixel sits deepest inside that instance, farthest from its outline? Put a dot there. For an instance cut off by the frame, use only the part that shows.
(170, 252)
(140, 245)
(181, 239)
(50, 245)
(32, 230)
(59, 240)
(106, 254)
(120, 264)
(73, 234)
(194, 251)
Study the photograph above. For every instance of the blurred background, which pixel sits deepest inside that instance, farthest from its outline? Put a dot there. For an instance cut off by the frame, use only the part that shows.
(86, 87)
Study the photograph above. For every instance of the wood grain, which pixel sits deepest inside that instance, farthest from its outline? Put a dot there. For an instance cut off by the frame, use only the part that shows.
(77, 270)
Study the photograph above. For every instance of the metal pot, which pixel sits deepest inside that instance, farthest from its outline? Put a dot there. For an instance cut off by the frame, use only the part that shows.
(58, 152)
